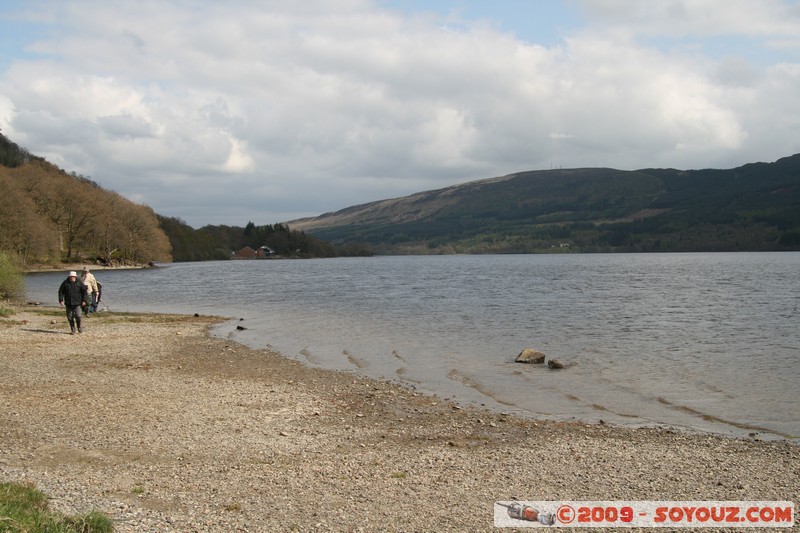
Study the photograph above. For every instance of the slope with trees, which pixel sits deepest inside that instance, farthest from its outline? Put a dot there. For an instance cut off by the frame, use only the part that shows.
(50, 216)
(755, 207)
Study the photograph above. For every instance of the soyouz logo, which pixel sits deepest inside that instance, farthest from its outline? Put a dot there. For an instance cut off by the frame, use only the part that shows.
(646, 513)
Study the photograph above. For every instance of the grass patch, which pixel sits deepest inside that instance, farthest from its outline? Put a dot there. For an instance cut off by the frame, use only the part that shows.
(113, 317)
(58, 311)
(24, 509)
(12, 283)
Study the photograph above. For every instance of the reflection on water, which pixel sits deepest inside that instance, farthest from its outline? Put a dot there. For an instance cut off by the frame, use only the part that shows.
(705, 341)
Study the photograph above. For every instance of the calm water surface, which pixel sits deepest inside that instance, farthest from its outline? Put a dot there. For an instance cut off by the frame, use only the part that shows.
(707, 342)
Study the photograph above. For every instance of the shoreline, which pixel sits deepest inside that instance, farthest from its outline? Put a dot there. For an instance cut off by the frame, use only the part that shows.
(149, 419)
(78, 267)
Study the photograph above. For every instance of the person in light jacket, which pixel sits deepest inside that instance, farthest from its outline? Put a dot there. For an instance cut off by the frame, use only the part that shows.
(92, 290)
(73, 295)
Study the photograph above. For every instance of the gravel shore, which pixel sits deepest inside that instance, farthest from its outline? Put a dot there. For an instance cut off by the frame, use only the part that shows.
(150, 420)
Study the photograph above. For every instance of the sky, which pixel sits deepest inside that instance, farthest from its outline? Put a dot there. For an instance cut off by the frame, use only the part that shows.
(271, 110)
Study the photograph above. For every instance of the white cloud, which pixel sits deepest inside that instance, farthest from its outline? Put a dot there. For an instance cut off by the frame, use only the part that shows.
(272, 110)
(238, 158)
(765, 18)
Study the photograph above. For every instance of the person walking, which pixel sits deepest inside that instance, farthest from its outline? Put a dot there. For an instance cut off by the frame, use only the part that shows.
(92, 289)
(72, 293)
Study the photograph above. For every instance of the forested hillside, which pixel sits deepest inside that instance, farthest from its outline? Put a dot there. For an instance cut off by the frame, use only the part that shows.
(755, 207)
(50, 216)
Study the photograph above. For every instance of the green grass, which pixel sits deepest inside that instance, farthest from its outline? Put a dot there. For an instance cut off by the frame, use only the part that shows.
(12, 283)
(23, 509)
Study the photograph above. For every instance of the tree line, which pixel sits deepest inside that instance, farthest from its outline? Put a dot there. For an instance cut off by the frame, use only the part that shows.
(219, 242)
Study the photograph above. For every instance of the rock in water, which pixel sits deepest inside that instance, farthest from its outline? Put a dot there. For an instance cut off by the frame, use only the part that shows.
(555, 364)
(529, 355)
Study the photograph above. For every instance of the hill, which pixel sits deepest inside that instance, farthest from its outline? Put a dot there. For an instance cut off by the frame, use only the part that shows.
(51, 216)
(755, 207)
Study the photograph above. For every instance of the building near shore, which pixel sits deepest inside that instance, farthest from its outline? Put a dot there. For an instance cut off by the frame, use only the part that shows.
(248, 253)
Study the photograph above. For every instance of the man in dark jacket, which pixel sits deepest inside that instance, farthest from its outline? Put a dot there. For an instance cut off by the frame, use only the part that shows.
(73, 294)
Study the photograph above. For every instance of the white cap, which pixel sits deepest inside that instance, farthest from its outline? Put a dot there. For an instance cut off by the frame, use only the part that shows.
(72, 274)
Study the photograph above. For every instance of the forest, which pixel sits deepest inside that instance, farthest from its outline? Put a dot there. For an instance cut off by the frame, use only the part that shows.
(51, 217)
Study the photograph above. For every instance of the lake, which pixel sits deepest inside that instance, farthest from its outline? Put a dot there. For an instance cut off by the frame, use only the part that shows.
(706, 342)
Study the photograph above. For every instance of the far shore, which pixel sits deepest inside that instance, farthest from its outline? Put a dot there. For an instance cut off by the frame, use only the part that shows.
(78, 267)
(149, 419)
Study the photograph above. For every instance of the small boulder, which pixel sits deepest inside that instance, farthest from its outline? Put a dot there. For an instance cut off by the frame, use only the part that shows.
(529, 355)
(555, 364)
(241, 328)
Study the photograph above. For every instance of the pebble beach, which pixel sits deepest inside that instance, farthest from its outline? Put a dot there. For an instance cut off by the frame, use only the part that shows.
(148, 419)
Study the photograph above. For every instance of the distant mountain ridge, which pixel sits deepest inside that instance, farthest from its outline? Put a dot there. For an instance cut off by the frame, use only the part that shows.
(753, 207)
